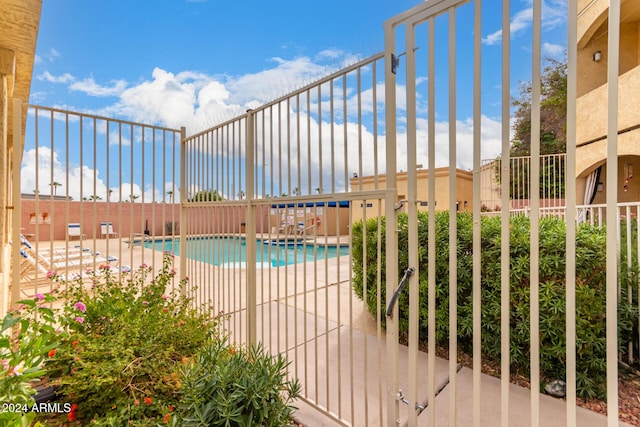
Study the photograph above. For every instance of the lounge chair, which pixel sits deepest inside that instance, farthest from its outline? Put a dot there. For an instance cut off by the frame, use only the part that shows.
(76, 258)
(106, 229)
(74, 230)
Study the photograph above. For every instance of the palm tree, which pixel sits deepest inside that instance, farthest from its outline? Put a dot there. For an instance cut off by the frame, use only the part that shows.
(55, 185)
(170, 194)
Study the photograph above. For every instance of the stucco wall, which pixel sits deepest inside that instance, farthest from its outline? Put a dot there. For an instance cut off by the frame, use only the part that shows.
(592, 108)
(464, 189)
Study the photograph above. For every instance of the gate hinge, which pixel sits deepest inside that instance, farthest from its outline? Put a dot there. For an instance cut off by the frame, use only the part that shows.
(395, 60)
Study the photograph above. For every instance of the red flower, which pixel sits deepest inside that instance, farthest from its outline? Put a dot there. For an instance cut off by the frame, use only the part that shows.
(52, 352)
(75, 343)
(166, 418)
(147, 400)
(136, 402)
(71, 416)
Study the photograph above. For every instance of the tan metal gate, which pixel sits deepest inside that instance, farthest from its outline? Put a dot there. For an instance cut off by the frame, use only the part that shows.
(437, 392)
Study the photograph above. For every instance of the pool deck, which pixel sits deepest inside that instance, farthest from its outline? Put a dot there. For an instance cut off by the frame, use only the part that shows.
(328, 324)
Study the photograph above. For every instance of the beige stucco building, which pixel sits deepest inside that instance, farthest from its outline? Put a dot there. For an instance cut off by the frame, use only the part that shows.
(591, 129)
(19, 23)
(464, 191)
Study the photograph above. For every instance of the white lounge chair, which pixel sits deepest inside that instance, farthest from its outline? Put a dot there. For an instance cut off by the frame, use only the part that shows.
(64, 260)
(74, 230)
(106, 229)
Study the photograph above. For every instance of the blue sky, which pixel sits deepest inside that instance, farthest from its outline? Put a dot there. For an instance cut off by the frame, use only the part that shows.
(162, 62)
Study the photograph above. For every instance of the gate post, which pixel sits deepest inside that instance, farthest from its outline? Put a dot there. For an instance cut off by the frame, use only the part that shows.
(15, 201)
(250, 236)
(183, 208)
(391, 235)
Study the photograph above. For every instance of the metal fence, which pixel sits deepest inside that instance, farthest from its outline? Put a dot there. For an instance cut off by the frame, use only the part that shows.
(267, 206)
(551, 182)
(95, 191)
(278, 186)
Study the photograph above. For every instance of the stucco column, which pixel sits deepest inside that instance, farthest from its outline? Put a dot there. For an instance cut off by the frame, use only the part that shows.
(7, 73)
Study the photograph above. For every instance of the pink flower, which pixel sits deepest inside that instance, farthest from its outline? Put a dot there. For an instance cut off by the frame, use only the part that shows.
(143, 265)
(164, 296)
(38, 296)
(105, 267)
(173, 272)
(145, 302)
(80, 307)
(51, 274)
(80, 319)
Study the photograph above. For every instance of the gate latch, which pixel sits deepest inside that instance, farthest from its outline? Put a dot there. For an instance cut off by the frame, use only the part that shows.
(401, 286)
(400, 396)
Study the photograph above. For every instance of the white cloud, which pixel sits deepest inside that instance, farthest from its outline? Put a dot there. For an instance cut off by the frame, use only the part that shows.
(198, 101)
(90, 87)
(553, 50)
(553, 14)
(64, 78)
(42, 167)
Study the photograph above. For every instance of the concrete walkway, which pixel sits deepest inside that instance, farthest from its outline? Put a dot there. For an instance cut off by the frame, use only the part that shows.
(552, 410)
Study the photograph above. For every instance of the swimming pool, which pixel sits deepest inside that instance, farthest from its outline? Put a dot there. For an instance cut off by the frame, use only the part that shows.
(233, 250)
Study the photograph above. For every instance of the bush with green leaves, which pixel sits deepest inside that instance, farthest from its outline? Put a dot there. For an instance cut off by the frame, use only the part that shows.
(127, 341)
(229, 386)
(28, 339)
(590, 291)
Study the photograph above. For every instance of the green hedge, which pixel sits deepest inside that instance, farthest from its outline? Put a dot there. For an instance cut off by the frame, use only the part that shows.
(590, 291)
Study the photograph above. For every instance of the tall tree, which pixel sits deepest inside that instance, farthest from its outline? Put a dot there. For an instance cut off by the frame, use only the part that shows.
(54, 185)
(553, 112)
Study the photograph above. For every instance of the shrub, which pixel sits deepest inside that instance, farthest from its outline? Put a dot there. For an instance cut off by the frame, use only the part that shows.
(228, 386)
(127, 340)
(28, 339)
(590, 291)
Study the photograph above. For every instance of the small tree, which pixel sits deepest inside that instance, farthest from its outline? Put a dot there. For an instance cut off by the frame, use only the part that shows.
(207, 196)
(553, 113)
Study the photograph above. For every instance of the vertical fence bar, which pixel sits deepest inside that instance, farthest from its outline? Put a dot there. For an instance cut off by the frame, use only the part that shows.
(453, 226)
(252, 328)
(534, 197)
(505, 220)
(412, 222)
(183, 204)
(570, 212)
(612, 199)
(431, 267)
(477, 224)
(391, 238)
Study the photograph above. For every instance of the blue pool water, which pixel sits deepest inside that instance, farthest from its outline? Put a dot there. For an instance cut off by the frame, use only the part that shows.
(233, 250)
